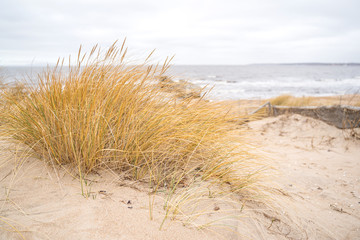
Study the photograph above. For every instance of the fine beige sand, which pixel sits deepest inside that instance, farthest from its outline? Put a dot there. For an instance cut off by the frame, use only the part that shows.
(315, 194)
(318, 181)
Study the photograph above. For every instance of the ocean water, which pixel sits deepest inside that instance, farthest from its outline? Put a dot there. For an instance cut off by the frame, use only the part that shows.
(252, 81)
(270, 80)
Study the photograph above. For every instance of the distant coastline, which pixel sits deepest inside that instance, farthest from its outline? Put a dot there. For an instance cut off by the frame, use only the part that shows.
(318, 64)
(245, 64)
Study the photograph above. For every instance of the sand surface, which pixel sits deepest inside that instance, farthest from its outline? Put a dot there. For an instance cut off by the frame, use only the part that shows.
(315, 193)
(319, 178)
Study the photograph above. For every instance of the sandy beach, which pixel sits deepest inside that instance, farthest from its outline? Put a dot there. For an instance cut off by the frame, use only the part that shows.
(154, 120)
(315, 194)
(319, 179)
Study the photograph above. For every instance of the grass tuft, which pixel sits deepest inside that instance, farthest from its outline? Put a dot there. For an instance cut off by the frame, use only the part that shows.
(103, 113)
(288, 100)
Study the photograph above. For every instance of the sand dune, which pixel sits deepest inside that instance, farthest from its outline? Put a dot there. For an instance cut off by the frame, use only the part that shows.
(315, 193)
(319, 178)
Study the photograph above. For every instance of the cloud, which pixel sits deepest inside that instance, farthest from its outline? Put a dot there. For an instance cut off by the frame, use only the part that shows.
(198, 32)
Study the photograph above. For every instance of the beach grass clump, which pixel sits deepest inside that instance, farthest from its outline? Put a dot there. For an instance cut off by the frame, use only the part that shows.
(103, 113)
(289, 100)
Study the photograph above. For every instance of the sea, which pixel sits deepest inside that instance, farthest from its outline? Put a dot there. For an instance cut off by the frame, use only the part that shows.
(255, 81)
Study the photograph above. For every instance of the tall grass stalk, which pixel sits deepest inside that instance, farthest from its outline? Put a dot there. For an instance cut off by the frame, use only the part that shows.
(9, 223)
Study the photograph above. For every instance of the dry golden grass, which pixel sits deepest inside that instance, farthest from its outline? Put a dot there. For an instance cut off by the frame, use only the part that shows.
(181, 89)
(103, 113)
(288, 100)
(353, 100)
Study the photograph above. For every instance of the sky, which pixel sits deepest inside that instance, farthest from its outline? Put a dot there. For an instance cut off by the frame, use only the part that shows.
(38, 32)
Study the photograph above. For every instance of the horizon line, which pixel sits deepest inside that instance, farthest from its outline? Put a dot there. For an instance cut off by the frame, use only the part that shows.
(204, 64)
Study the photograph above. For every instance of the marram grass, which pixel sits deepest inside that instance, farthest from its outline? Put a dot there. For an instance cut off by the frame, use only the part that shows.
(288, 100)
(102, 113)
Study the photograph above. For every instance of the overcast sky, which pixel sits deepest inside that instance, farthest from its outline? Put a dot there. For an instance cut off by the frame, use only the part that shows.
(197, 32)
